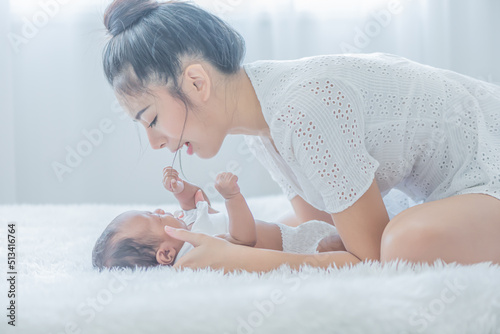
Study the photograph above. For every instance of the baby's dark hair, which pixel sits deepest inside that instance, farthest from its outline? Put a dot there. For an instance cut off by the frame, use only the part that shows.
(111, 251)
(151, 39)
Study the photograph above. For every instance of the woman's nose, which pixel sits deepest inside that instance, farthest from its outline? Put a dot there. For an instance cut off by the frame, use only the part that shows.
(156, 141)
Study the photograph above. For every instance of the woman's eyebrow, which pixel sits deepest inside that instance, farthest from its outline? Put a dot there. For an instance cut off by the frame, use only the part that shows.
(138, 116)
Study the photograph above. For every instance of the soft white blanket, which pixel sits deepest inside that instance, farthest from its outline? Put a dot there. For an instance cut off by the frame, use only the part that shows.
(58, 291)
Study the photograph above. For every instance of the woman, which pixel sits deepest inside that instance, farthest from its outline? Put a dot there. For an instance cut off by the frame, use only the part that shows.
(336, 132)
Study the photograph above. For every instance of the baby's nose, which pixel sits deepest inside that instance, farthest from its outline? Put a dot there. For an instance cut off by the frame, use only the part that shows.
(160, 211)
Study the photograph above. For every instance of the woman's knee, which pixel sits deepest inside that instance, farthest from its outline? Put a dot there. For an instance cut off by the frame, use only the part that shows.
(410, 237)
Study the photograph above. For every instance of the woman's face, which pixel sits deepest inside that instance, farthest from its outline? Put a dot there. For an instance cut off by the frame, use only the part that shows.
(163, 117)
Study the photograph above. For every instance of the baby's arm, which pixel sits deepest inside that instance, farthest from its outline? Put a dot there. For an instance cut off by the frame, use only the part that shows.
(183, 191)
(241, 222)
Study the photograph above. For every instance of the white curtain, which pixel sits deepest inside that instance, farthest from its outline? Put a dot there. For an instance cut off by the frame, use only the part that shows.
(64, 139)
(7, 153)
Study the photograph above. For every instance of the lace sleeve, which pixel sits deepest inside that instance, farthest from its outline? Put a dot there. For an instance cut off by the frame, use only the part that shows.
(286, 188)
(324, 125)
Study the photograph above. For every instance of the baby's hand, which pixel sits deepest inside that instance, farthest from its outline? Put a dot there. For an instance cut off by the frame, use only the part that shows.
(171, 180)
(226, 184)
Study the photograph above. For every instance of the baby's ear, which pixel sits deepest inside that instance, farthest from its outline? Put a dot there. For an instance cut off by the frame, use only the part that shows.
(166, 256)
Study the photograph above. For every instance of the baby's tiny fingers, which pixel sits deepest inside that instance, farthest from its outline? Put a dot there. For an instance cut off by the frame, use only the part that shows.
(165, 178)
(169, 170)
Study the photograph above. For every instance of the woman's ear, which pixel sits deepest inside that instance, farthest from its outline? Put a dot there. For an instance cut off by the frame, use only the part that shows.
(165, 255)
(197, 82)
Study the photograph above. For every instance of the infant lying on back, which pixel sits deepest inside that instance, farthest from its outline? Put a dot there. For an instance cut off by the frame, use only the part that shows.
(138, 239)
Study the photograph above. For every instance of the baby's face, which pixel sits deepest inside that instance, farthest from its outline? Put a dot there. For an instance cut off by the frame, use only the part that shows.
(143, 224)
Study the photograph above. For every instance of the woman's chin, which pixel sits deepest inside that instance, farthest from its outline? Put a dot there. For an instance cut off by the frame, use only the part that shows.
(203, 155)
(207, 154)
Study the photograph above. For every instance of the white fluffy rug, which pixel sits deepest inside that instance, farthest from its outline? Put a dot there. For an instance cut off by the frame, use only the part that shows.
(59, 292)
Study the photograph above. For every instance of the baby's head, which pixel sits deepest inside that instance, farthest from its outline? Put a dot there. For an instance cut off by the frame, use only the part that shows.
(137, 238)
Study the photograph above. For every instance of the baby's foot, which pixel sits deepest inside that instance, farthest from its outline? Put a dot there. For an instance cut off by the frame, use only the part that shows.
(226, 184)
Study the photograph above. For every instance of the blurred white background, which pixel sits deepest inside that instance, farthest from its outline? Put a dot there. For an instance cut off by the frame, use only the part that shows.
(53, 94)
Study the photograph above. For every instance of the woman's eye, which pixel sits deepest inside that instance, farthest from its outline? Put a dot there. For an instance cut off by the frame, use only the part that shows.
(153, 123)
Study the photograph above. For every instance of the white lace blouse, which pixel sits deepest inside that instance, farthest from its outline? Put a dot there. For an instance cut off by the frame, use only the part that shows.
(341, 121)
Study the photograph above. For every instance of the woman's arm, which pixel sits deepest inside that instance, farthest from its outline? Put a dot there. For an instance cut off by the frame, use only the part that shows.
(241, 222)
(258, 260)
(360, 226)
(306, 212)
(217, 254)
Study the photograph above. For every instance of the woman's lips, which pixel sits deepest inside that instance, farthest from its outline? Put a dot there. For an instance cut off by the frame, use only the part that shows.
(190, 148)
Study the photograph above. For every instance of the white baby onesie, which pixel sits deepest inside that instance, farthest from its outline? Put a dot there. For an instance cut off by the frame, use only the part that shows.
(303, 239)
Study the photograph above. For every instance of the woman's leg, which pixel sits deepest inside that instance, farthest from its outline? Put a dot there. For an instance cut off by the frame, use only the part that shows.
(463, 229)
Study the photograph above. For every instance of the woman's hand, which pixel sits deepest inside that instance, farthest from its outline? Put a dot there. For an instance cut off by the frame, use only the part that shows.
(208, 251)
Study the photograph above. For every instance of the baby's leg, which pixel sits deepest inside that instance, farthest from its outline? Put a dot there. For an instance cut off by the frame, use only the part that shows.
(268, 236)
(331, 243)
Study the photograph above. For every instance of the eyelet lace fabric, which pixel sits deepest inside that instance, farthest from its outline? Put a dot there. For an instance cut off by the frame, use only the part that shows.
(341, 121)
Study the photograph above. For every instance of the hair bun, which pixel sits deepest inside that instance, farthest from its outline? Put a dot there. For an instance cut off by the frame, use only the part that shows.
(121, 14)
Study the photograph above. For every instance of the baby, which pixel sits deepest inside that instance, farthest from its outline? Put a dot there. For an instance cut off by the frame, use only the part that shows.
(137, 238)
